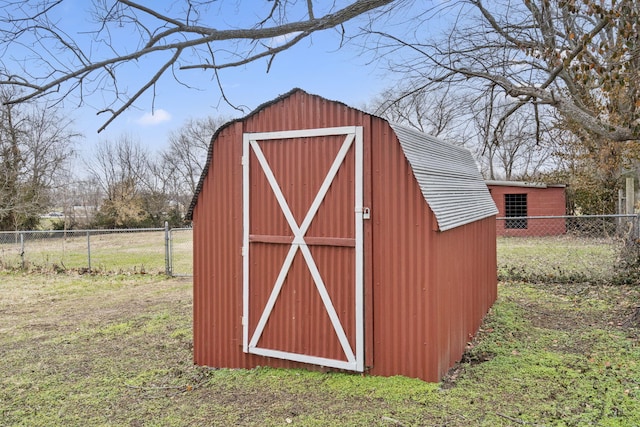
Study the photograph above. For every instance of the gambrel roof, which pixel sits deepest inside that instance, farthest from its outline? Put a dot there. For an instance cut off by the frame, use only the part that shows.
(447, 174)
(448, 177)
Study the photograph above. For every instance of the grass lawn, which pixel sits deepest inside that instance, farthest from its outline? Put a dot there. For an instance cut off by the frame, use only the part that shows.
(558, 259)
(117, 351)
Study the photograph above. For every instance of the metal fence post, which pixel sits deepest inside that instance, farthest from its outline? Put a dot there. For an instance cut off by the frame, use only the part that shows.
(89, 249)
(167, 252)
(22, 250)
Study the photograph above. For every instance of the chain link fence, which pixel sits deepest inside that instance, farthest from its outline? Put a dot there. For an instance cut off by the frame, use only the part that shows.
(149, 250)
(181, 251)
(567, 248)
(536, 249)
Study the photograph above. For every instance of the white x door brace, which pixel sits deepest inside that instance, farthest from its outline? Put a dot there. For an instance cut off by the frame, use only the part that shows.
(354, 356)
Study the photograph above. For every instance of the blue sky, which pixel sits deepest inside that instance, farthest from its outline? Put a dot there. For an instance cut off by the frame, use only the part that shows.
(315, 65)
(342, 75)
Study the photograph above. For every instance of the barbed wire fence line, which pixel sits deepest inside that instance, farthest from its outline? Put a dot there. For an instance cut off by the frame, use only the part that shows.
(557, 249)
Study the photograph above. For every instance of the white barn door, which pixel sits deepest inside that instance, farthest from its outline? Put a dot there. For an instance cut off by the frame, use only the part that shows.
(303, 246)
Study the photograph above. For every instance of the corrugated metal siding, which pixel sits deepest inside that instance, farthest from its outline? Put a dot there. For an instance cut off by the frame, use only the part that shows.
(217, 256)
(448, 177)
(425, 291)
(299, 322)
(217, 216)
(431, 288)
(403, 303)
(463, 269)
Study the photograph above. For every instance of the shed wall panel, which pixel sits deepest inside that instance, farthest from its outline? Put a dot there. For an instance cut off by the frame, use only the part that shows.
(431, 288)
(463, 269)
(217, 256)
(402, 298)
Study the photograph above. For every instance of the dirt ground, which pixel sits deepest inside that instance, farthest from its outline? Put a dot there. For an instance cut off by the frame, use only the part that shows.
(29, 303)
(76, 336)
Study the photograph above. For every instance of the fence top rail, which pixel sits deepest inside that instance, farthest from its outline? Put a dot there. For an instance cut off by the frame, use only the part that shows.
(107, 230)
(569, 216)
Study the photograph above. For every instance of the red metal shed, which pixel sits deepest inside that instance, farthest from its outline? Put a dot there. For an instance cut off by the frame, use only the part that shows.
(327, 237)
(529, 199)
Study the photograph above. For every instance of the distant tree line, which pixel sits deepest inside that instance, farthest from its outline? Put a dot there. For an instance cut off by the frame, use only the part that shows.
(144, 189)
(123, 184)
(36, 142)
(128, 186)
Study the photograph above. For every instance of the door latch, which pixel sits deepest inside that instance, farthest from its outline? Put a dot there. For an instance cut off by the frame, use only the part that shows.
(366, 212)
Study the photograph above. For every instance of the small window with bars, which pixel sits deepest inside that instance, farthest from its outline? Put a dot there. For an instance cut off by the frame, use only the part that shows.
(515, 205)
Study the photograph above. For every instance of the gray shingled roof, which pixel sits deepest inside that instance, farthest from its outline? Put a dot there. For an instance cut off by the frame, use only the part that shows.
(448, 177)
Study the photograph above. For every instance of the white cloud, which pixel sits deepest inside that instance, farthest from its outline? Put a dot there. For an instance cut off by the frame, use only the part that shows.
(158, 116)
(280, 40)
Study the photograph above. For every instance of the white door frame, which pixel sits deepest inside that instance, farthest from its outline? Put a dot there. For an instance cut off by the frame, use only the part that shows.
(251, 142)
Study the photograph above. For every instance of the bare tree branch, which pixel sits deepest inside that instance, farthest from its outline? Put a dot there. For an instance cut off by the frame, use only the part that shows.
(310, 9)
(152, 81)
(578, 57)
(64, 64)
